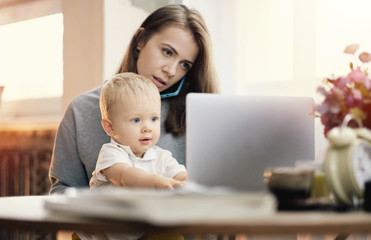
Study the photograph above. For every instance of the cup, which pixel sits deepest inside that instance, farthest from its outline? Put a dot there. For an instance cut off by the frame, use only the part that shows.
(289, 183)
(319, 185)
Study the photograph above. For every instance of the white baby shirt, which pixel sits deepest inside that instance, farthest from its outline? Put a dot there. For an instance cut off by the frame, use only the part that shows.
(156, 161)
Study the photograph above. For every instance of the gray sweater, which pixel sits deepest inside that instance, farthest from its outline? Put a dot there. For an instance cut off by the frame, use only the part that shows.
(80, 137)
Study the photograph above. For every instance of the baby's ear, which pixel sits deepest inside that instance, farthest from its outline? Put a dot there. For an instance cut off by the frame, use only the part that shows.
(107, 126)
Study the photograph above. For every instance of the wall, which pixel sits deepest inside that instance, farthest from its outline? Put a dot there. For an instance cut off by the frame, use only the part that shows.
(121, 19)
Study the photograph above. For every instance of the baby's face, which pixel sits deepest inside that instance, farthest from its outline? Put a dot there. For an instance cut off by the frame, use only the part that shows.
(136, 123)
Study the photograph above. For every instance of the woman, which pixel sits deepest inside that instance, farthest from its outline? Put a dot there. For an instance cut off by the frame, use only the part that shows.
(171, 44)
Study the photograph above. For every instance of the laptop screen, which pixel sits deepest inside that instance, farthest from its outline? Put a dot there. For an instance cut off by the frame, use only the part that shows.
(232, 139)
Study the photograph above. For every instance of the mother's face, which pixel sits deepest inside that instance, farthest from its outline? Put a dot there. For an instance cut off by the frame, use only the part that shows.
(167, 56)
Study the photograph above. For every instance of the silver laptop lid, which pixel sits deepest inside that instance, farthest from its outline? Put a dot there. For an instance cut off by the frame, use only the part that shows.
(232, 139)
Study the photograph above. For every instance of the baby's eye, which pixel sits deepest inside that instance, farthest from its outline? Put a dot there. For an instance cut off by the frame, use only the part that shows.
(154, 119)
(135, 120)
(167, 52)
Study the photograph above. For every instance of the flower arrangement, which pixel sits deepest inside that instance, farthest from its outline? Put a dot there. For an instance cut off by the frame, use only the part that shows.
(350, 94)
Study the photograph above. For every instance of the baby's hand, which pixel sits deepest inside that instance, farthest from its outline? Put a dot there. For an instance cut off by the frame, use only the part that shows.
(183, 183)
(168, 183)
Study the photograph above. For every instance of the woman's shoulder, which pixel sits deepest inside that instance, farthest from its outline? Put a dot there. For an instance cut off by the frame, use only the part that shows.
(88, 97)
(83, 106)
(85, 103)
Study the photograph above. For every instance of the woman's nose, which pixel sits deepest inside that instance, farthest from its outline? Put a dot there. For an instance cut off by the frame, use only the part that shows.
(170, 68)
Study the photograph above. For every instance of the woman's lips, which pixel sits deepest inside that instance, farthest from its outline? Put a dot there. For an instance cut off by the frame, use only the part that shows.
(158, 82)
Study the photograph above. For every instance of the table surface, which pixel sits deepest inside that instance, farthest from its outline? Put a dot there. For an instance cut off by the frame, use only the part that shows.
(28, 213)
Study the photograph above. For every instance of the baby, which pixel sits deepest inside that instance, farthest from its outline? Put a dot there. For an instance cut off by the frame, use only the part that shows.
(131, 110)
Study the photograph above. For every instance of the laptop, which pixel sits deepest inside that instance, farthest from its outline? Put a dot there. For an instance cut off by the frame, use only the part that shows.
(232, 139)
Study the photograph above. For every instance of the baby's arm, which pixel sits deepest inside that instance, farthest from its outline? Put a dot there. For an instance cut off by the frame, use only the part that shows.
(182, 176)
(121, 174)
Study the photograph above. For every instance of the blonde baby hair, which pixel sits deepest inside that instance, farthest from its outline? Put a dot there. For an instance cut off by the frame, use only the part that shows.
(125, 87)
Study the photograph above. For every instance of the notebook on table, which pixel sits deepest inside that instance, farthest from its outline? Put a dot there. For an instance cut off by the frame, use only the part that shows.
(232, 139)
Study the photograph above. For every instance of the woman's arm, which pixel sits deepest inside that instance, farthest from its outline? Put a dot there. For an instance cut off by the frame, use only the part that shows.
(77, 143)
(66, 169)
(121, 174)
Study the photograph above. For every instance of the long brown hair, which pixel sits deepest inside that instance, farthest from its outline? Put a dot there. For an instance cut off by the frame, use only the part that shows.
(200, 78)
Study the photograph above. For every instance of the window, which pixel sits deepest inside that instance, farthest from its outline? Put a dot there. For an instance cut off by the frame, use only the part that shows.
(340, 23)
(283, 47)
(65, 56)
(31, 58)
(31, 46)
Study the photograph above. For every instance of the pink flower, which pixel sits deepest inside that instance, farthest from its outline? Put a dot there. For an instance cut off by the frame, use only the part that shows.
(356, 94)
(351, 49)
(321, 90)
(337, 93)
(346, 94)
(365, 57)
(341, 82)
(357, 76)
(354, 98)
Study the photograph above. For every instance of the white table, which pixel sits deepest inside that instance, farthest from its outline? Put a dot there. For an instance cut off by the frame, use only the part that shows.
(28, 213)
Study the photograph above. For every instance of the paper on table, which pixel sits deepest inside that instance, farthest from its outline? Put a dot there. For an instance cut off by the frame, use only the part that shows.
(164, 207)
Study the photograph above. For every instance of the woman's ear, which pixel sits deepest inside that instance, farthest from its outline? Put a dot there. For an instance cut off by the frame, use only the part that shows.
(108, 128)
(140, 42)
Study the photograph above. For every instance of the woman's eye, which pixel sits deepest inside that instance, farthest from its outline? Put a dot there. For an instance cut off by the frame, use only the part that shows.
(136, 120)
(167, 52)
(186, 66)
